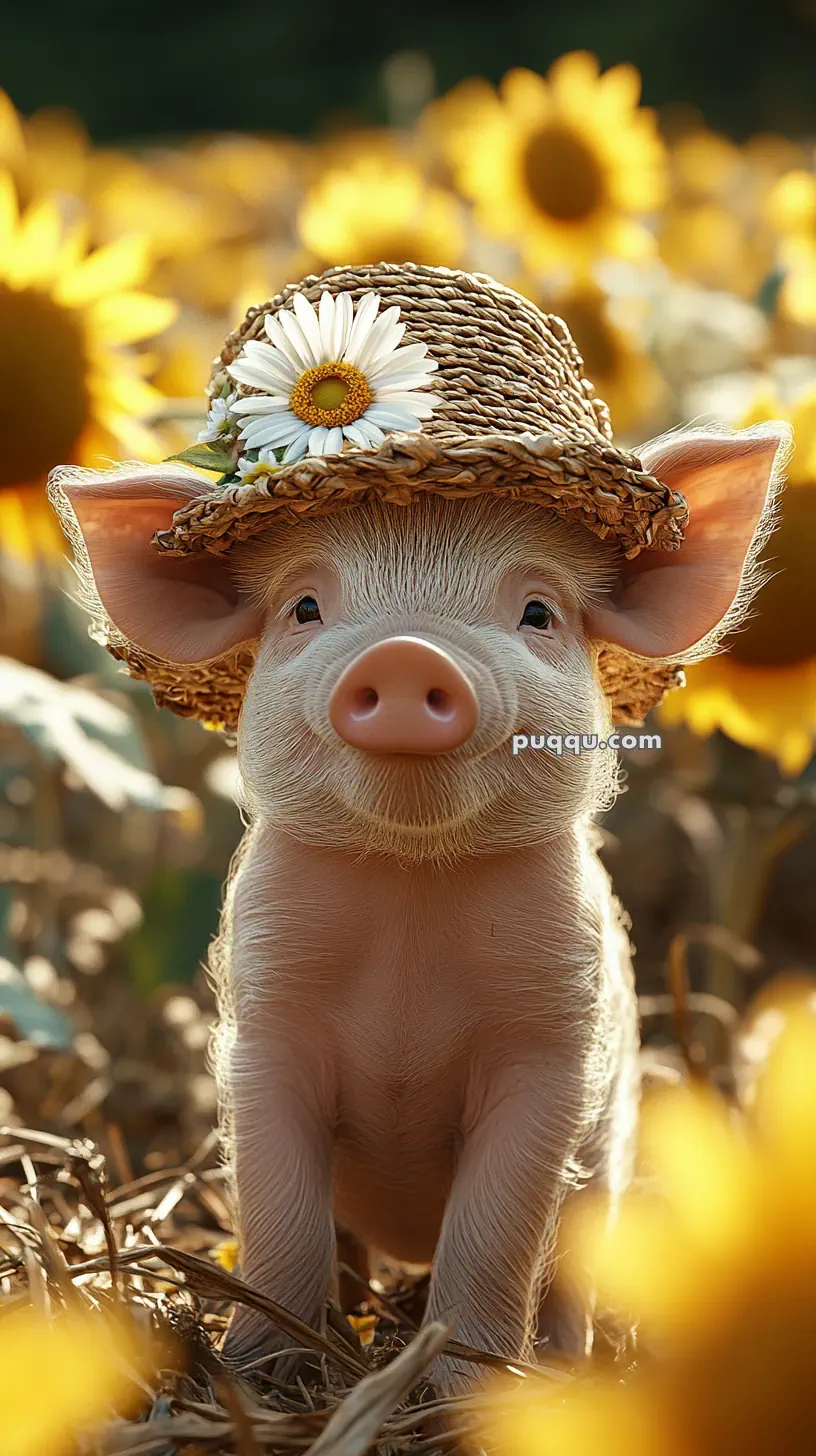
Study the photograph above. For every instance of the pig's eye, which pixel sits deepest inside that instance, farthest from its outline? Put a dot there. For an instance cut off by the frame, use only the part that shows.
(537, 614)
(307, 610)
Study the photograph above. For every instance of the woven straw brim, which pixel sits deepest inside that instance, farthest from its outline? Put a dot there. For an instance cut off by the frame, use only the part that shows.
(595, 485)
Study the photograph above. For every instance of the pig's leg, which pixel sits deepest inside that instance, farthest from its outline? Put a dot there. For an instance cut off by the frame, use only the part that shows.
(282, 1173)
(503, 1210)
(607, 1160)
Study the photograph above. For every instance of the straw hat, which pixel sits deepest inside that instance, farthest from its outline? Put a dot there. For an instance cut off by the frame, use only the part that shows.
(509, 412)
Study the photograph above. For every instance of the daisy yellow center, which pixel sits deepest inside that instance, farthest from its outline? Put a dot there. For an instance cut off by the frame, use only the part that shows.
(563, 174)
(332, 394)
(44, 404)
(783, 630)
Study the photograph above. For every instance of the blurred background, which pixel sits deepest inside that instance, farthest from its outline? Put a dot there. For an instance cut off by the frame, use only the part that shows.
(647, 175)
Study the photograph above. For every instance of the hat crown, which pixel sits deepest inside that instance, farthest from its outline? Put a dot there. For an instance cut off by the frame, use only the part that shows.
(504, 367)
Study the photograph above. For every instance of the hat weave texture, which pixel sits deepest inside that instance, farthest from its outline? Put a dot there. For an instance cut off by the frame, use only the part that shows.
(517, 419)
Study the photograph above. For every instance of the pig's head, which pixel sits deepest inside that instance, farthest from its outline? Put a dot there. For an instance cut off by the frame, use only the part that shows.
(402, 647)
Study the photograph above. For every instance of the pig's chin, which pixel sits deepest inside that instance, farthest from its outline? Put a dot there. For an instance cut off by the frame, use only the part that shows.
(412, 806)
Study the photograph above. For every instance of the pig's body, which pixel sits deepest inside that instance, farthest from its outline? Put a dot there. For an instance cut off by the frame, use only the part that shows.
(409, 1002)
(428, 1018)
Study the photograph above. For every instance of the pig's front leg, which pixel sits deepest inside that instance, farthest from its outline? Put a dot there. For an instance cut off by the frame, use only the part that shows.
(282, 1170)
(502, 1214)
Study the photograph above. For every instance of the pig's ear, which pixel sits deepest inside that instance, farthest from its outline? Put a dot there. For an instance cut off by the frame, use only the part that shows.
(667, 603)
(184, 609)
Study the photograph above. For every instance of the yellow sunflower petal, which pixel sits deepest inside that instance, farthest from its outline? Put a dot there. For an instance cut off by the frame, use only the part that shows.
(574, 79)
(116, 266)
(37, 245)
(11, 132)
(125, 318)
(8, 216)
(526, 97)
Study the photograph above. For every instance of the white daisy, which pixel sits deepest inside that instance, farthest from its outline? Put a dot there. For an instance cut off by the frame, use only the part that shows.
(331, 375)
(249, 470)
(220, 420)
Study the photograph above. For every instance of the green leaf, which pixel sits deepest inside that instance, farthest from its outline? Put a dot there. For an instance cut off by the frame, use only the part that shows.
(95, 738)
(206, 457)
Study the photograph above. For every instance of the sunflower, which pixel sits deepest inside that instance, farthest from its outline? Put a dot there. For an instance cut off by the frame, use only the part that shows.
(717, 1259)
(67, 390)
(564, 165)
(607, 332)
(379, 209)
(762, 691)
(714, 228)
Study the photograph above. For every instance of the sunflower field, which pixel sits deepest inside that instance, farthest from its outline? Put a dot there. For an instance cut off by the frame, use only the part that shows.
(684, 263)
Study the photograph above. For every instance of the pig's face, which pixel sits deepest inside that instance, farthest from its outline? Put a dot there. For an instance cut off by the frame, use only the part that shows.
(352, 735)
(352, 738)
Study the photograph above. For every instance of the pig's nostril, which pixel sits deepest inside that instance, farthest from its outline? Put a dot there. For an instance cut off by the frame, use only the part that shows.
(364, 702)
(440, 703)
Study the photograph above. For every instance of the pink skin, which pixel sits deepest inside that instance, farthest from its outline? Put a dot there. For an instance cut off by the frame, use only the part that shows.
(428, 1023)
(404, 695)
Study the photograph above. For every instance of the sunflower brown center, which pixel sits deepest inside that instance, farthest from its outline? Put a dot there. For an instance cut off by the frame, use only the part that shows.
(331, 394)
(563, 174)
(595, 339)
(44, 402)
(783, 630)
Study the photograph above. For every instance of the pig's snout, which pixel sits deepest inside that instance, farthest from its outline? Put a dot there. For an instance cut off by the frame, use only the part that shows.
(404, 695)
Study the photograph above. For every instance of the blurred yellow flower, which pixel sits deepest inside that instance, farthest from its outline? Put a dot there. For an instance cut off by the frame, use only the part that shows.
(715, 228)
(623, 373)
(68, 392)
(718, 1260)
(59, 1377)
(762, 691)
(563, 165)
(710, 242)
(381, 210)
(792, 213)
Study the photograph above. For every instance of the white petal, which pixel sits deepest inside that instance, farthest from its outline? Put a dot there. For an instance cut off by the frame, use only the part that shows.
(307, 318)
(247, 372)
(411, 358)
(334, 442)
(357, 434)
(282, 342)
(394, 417)
(326, 326)
(372, 432)
(343, 317)
(297, 338)
(261, 404)
(402, 383)
(297, 449)
(317, 440)
(275, 363)
(421, 405)
(363, 320)
(279, 430)
(382, 330)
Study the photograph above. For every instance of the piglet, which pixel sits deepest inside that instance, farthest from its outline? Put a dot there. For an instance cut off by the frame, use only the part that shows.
(428, 1032)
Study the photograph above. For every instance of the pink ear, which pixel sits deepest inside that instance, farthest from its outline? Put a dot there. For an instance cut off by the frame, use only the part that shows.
(185, 609)
(668, 601)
